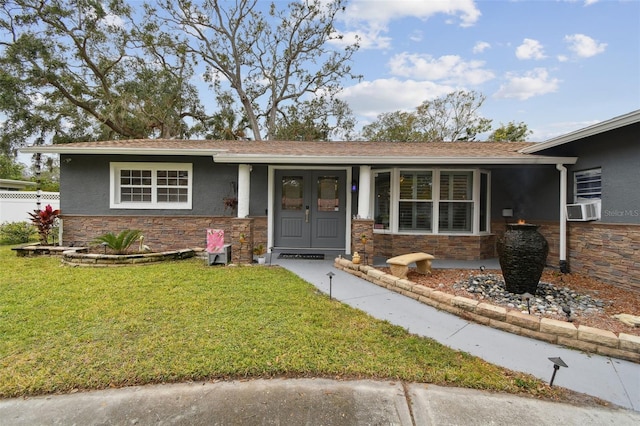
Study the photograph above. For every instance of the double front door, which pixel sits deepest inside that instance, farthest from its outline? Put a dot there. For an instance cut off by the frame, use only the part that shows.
(310, 209)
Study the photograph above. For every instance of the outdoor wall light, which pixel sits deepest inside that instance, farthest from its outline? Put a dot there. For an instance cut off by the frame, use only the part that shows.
(507, 212)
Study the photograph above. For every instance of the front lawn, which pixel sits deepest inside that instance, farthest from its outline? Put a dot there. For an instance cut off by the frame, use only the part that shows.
(65, 328)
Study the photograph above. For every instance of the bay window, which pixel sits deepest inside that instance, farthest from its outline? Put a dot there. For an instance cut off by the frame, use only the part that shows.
(437, 201)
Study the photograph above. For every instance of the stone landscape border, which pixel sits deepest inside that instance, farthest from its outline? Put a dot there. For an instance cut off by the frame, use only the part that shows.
(75, 258)
(584, 338)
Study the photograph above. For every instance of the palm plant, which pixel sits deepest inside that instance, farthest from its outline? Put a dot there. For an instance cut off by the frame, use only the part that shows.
(119, 243)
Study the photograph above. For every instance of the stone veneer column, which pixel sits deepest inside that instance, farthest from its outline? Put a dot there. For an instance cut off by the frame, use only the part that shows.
(360, 227)
(242, 240)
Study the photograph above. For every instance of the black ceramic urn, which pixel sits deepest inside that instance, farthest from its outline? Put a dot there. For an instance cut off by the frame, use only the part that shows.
(522, 253)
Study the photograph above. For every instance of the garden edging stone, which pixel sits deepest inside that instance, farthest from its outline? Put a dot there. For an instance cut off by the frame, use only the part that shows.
(588, 339)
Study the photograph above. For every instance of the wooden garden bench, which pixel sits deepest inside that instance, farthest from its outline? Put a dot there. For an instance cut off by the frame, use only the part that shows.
(400, 264)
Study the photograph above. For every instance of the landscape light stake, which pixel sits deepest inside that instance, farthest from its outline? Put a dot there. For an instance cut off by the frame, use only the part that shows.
(557, 363)
(527, 297)
(330, 275)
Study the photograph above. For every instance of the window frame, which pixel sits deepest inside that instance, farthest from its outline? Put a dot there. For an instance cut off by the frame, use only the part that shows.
(115, 185)
(593, 196)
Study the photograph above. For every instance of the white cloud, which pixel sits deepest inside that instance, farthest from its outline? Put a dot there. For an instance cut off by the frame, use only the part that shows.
(450, 69)
(532, 83)
(481, 46)
(530, 49)
(367, 38)
(369, 19)
(387, 10)
(584, 46)
(368, 99)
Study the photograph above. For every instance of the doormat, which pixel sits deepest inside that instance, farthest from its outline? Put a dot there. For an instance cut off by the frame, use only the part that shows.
(305, 256)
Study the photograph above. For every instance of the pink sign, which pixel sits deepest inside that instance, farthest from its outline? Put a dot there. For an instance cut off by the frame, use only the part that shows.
(215, 240)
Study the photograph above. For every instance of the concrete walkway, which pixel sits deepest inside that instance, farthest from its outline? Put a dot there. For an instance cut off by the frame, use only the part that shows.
(610, 379)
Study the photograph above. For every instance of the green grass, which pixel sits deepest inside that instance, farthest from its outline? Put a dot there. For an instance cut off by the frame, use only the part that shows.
(64, 328)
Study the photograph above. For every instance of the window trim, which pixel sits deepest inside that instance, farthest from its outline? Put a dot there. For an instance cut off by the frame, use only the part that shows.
(114, 186)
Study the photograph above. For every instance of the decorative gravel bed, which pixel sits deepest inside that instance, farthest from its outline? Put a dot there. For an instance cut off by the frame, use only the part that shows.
(548, 299)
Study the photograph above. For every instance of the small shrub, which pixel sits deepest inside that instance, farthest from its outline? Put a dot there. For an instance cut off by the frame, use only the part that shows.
(17, 232)
(44, 221)
(119, 243)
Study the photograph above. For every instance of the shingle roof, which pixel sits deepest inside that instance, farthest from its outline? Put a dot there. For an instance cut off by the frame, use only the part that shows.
(347, 152)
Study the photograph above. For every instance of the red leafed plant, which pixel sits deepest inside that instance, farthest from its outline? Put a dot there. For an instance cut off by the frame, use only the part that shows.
(44, 220)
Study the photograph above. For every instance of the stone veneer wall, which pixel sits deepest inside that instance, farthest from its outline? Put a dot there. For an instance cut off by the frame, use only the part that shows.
(160, 232)
(454, 247)
(608, 252)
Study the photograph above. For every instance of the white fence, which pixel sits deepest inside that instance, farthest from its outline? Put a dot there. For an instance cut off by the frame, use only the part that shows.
(16, 205)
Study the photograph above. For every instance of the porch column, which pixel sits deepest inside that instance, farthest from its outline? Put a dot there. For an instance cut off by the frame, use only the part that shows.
(364, 192)
(244, 189)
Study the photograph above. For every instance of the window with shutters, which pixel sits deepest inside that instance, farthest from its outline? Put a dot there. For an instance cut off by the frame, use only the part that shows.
(151, 185)
(415, 206)
(456, 202)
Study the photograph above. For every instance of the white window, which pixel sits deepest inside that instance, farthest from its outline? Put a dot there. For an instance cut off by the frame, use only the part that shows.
(151, 185)
(456, 202)
(431, 201)
(587, 185)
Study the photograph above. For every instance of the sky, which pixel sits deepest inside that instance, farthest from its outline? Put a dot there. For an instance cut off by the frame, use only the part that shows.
(555, 65)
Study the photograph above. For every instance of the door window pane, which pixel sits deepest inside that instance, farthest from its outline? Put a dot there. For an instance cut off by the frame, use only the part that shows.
(328, 200)
(292, 192)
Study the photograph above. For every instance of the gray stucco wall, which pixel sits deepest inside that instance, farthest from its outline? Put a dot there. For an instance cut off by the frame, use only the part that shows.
(84, 181)
(533, 192)
(618, 154)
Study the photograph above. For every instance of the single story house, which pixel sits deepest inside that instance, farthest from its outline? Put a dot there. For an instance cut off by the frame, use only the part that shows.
(450, 199)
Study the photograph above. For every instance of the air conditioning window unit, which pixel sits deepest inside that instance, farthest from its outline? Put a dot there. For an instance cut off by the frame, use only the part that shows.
(584, 211)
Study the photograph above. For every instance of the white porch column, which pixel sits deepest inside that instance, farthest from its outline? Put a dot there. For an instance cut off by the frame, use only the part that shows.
(364, 192)
(244, 189)
(563, 220)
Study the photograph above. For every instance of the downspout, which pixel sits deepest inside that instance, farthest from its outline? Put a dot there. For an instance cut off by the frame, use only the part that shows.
(564, 265)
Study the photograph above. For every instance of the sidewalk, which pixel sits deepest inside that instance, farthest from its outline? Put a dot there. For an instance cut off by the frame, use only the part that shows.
(300, 402)
(610, 379)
